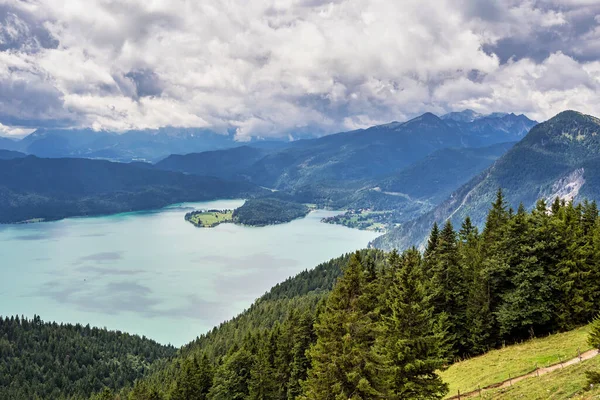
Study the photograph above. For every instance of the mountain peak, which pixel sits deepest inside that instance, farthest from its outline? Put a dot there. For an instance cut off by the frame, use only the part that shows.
(425, 118)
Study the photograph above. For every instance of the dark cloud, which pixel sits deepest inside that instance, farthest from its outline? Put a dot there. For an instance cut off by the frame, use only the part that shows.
(22, 31)
(32, 103)
(574, 37)
(146, 82)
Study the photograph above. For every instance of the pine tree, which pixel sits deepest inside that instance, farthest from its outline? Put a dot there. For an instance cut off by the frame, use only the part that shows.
(431, 250)
(342, 363)
(411, 340)
(527, 304)
(262, 384)
(304, 337)
(448, 288)
(232, 377)
(194, 380)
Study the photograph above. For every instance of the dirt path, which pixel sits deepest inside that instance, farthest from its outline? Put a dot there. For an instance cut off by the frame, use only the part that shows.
(538, 372)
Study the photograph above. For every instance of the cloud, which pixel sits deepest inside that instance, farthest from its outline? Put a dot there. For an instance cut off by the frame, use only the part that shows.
(295, 66)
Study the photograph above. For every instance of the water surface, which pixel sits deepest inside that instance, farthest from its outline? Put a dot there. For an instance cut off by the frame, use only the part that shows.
(153, 273)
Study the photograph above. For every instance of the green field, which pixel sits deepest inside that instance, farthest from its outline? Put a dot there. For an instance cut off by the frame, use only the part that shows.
(568, 383)
(209, 219)
(499, 365)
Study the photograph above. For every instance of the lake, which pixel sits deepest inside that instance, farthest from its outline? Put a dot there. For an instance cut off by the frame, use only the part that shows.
(153, 273)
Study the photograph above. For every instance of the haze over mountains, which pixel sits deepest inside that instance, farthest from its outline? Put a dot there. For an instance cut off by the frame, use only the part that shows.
(145, 145)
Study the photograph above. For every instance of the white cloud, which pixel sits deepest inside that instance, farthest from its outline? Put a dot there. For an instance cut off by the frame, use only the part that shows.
(272, 68)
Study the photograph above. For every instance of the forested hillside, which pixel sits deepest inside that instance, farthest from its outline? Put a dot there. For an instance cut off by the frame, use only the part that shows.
(268, 211)
(525, 274)
(44, 188)
(51, 361)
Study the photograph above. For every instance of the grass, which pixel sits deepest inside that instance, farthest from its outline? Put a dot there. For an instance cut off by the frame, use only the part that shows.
(568, 383)
(211, 218)
(511, 361)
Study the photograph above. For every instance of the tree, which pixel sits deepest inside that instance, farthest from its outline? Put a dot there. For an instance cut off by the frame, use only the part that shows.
(342, 362)
(412, 340)
(304, 336)
(194, 380)
(447, 287)
(262, 384)
(232, 377)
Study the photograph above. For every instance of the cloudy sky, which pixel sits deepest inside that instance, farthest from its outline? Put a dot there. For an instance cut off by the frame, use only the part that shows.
(268, 68)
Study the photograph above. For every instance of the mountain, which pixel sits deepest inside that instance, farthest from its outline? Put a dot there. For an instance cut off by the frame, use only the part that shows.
(483, 130)
(387, 167)
(433, 178)
(54, 188)
(220, 163)
(9, 154)
(355, 155)
(149, 144)
(8, 143)
(560, 157)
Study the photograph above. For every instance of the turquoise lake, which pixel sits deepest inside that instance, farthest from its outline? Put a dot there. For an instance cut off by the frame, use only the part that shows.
(153, 273)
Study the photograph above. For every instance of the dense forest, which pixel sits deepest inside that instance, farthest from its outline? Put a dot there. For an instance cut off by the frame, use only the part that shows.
(268, 211)
(391, 321)
(54, 361)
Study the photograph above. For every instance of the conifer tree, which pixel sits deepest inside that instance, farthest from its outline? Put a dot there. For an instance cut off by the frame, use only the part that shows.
(411, 340)
(232, 377)
(447, 287)
(262, 384)
(303, 338)
(342, 362)
(194, 380)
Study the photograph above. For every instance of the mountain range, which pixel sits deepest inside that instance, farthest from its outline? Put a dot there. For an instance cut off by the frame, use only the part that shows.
(395, 166)
(557, 158)
(144, 145)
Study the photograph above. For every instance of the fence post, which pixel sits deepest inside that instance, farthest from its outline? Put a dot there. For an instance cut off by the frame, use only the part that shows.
(509, 380)
(561, 363)
(459, 394)
(579, 354)
(537, 370)
(479, 387)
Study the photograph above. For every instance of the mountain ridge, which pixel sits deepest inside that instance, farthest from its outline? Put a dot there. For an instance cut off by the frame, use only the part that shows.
(561, 155)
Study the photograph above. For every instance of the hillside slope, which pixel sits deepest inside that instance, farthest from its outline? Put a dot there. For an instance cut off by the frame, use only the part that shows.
(50, 361)
(45, 188)
(560, 157)
(500, 365)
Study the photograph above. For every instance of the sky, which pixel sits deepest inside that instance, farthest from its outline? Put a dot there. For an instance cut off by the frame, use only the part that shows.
(282, 67)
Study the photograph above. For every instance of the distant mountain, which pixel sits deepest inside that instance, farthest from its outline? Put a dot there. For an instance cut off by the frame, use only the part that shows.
(356, 155)
(9, 154)
(8, 143)
(48, 188)
(560, 157)
(482, 130)
(148, 145)
(220, 163)
(358, 169)
(433, 178)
